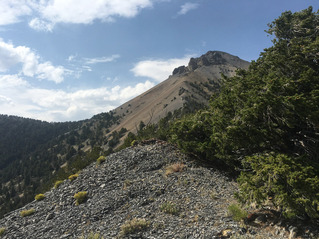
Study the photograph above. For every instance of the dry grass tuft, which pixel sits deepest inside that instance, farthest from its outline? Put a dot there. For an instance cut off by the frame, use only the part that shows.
(57, 183)
(174, 168)
(101, 160)
(26, 213)
(39, 197)
(80, 197)
(134, 225)
(73, 177)
(2, 230)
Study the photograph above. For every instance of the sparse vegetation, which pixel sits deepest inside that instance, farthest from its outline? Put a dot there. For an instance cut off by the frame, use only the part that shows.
(73, 177)
(80, 197)
(213, 195)
(134, 142)
(39, 197)
(101, 159)
(236, 212)
(134, 225)
(92, 236)
(2, 231)
(126, 184)
(57, 183)
(169, 208)
(176, 167)
(26, 213)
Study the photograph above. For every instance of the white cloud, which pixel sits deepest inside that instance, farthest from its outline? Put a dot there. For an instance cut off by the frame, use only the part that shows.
(5, 100)
(100, 59)
(83, 11)
(9, 81)
(12, 10)
(17, 97)
(185, 8)
(41, 25)
(158, 70)
(46, 13)
(48, 72)
(11, 56)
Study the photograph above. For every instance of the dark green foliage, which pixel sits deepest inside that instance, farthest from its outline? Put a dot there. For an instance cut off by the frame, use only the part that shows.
(128, 141)
(272, 108)
(237, 212)
(116, 136)
(291, 183)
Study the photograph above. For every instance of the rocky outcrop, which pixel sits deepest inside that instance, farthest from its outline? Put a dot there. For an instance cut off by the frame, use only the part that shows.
(154, 183)
(180, 70)
(212, 58)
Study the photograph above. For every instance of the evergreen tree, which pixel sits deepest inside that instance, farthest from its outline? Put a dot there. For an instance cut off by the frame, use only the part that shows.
(269, 116)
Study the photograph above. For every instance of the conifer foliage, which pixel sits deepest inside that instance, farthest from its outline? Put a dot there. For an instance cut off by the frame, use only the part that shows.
(266, 120)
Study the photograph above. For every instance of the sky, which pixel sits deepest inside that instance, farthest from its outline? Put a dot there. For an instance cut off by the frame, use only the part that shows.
(67, 60)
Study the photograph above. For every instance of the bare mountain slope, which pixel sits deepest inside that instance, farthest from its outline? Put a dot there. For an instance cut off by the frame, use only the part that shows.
(189, 88)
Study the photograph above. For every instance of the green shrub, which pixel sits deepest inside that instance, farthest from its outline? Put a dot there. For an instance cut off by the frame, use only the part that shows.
(292, 183)
(26, 213)
(2, 230)
(169, 208)
(80, 197)
(134, 225)
(236, 212)
(57, 183)
(39, 197)
(101, 159)
(73, 177)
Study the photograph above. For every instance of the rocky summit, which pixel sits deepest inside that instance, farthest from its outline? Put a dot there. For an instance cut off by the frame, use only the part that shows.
(149, 190)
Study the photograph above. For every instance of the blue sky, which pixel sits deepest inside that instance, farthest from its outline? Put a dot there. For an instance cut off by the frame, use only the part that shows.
(66, 60)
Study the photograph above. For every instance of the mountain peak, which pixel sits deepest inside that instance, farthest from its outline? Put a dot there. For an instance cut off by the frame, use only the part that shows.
(209, 59)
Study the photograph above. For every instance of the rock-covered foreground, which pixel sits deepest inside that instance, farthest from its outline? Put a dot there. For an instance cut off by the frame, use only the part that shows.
(132, 184)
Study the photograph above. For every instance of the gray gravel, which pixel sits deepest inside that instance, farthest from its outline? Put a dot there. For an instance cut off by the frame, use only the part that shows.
(132, 184)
